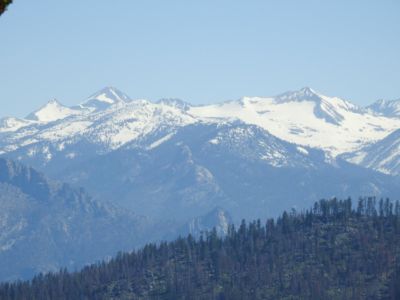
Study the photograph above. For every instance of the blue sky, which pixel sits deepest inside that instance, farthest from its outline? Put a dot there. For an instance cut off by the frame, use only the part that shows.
(200, 51)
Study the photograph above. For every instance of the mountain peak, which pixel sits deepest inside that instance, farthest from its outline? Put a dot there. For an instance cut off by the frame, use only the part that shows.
(114, 94)
(110, 95)
(308, 91)
(104, 98)
(53, 101)
(51, 111)
(304, 94)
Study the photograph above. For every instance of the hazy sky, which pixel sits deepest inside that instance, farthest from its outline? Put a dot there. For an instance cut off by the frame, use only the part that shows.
(200, 51)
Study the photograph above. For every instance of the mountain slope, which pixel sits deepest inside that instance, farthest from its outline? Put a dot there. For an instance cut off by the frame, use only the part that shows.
(176, 164)
(332, 251)
(172, 160)
(105, 130)
(52, 111)
(388, 108)
(217, 218)
(109, 119)
(45, 226)
(383, 156)
(104, 98)
(306, 118)
(241, 168)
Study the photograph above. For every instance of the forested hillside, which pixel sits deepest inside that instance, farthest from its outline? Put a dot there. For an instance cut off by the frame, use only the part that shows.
(332, 251)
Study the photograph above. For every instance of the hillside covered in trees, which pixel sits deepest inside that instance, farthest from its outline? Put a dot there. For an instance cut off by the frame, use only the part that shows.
(332, 251)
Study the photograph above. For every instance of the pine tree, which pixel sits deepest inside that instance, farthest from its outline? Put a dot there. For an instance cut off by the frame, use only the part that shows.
(329, 252)
(3, 5)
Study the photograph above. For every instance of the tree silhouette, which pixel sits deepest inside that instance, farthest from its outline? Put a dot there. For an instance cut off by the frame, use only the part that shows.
(3, 5)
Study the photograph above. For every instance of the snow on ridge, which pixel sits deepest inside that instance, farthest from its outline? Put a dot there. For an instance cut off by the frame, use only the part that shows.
(305, 117)
(52, 111)
(112, 128)
(105, 98)
(160, 141)
(11, 124)
(388, 108)
(137, 119)
(302, 150)
(328, 123)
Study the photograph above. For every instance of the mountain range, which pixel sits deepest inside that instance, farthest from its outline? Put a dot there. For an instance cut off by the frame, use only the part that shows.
(109, 119)
(169, 167)
(172, 160)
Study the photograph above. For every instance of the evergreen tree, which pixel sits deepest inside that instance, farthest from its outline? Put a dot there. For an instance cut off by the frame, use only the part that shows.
(3, 5)
(329, 252)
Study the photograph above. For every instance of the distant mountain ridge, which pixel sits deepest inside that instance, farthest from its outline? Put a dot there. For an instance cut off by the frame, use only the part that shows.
(110, 119)
(46, 225)
(388, 108)
(182, 167)
(135, 151)
(383, 156)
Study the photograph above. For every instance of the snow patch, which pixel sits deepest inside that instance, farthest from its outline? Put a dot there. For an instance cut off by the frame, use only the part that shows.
(337, 126)
(214, 141)
(52, 111)
(302, 150)
(160, 141)
(71, 155)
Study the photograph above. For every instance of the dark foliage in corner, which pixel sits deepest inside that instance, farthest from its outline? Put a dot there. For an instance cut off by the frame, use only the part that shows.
(332, 251)
(3, 5)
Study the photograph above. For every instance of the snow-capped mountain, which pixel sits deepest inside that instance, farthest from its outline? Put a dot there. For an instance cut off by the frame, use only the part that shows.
(171, 156)
(239, 167)
(52, 111)
(185, 166)
(173, 179)
(109, 120)
(106, 129)
(10, 124)
(383, 156)
(104, 98)
(308, 118)
(387, 108)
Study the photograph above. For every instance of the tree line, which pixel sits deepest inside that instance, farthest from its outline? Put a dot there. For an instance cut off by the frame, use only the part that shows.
(331, 251)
